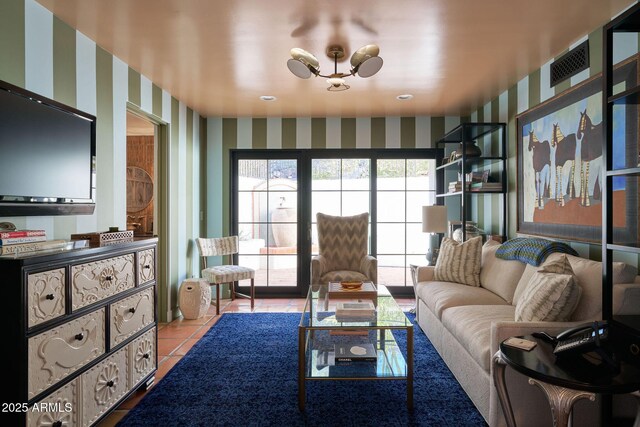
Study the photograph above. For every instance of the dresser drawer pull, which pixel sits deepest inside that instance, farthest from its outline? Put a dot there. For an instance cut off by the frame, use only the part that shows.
(146, 266)
(108, 278)
(57, 424)
(50, 296)
(146, 355)
(132, 310)
(110, 383)
(80, 336)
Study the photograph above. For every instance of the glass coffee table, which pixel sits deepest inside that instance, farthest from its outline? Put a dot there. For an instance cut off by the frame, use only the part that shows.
(320, 332)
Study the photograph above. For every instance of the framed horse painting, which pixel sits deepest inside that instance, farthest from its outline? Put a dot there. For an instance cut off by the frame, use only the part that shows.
(560, 168)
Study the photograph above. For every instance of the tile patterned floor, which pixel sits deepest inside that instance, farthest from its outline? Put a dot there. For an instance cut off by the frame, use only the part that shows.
(175, 339)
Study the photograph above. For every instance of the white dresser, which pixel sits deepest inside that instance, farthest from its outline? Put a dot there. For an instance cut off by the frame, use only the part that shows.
(86, 332)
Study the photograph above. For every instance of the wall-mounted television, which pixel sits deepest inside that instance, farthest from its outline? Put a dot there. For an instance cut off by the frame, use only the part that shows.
(47, 156)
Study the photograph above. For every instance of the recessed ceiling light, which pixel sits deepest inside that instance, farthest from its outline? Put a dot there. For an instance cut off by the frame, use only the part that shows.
(404, 97)
(268, 98)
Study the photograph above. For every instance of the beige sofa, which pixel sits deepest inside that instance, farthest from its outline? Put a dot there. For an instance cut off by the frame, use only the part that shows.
(466, 325)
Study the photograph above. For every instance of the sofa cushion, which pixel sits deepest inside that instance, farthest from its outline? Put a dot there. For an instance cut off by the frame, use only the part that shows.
(498, 275)
(589, 275)
(459, 262)
(471, 325)
(439, 296)
(552, 294)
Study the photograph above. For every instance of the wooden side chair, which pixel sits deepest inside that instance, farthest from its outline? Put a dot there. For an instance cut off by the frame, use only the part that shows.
(221, 274)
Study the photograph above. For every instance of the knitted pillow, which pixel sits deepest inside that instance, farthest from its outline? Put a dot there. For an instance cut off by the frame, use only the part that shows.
(459, 262)
(551, 295)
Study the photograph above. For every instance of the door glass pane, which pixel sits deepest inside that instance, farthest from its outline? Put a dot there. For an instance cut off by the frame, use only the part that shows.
(355, 202)
(391, 206)
(391, 238)
(415, 201)
(392, 270)
(251, 173)
(267, 219)
(325, 174)
(391, 174)
(327, 202)
(421, 174)
(355, 174)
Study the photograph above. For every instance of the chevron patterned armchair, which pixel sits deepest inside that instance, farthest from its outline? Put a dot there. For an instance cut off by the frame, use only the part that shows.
(343, 254)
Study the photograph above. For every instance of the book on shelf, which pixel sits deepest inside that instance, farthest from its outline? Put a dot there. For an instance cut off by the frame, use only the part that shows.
(490, 186)
(456, 186)
(18, 240)
(361, 352)
(355, 310)
(32, 247)
(21, 233)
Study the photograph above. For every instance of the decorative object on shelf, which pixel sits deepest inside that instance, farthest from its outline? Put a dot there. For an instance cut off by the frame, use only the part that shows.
(559, 193)
(365, 62)
(471, 230)
(469, 148)
(434, 222)
(7, 226)
(104, 238)
(453, 156)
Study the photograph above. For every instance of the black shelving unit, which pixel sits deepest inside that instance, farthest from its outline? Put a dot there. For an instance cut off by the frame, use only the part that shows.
(495, 160)
(617, 239)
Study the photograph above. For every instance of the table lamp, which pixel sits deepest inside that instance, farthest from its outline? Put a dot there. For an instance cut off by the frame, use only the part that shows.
(434, 221)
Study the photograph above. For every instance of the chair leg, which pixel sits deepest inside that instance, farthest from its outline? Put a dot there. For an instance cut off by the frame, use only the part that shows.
(232, 290)
(217, 299)
(253, 293)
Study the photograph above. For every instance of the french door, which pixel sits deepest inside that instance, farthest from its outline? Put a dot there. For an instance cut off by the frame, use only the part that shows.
(276, 194)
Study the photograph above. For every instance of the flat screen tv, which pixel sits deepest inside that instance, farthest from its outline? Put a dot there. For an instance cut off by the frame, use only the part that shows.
(47, 156)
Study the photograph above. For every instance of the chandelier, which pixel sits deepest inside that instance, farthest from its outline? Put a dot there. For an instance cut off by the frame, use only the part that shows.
(365, 62)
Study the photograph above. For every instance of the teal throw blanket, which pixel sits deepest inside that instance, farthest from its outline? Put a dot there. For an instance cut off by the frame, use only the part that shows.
(531, 250)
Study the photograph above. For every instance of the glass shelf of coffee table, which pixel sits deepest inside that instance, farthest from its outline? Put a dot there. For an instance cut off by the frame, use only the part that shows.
(319, 331)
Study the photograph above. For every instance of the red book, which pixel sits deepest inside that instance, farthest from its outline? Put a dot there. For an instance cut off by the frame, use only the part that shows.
(21, 233)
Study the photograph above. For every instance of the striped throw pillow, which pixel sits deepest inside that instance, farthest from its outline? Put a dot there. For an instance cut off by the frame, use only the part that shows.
(551, 295)
(459, 262)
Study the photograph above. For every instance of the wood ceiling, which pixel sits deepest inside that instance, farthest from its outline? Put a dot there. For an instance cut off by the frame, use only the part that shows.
(219, 57)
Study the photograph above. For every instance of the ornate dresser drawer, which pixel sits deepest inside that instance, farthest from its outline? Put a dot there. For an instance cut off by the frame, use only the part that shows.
(146, 266)
(142, 356)
(129, 315)
(103, 385)
(60, 351)
(95, 281)
(59, 408)
(45, 295)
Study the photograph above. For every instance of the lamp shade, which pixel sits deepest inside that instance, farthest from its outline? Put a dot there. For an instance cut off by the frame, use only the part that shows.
(434, 219)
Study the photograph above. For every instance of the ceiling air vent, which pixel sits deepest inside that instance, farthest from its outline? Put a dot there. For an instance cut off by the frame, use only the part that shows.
(570, 64)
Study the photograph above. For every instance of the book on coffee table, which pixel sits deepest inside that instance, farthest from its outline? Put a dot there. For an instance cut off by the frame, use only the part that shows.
(360, 352)
(356, 311)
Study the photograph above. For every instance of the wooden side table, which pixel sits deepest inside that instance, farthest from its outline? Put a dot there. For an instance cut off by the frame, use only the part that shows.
(563, 381)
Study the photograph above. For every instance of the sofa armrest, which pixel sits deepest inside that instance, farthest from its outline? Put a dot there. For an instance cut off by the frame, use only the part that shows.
(369, 267)
(626, 298)
(500, 331)
(318, 268)
(425, 273)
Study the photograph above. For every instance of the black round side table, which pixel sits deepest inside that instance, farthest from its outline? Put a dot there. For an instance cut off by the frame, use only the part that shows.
(564, 380)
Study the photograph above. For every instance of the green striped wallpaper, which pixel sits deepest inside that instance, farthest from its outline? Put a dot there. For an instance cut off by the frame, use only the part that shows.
(43, 54)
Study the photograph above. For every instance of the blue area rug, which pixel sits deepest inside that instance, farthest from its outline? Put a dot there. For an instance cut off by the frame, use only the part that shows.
(243, 372)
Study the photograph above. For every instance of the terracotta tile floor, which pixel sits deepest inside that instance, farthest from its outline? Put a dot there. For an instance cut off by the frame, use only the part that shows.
(175, 339)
